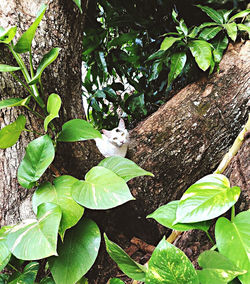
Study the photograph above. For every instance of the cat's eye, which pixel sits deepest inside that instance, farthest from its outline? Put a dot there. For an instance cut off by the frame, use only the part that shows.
(122, 134)
(117, 130)
(115, 138)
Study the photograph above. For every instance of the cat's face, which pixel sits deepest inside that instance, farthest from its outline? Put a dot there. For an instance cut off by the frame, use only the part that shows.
(119, 135)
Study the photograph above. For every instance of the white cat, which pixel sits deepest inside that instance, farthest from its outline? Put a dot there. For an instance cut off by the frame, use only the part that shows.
(114, 142)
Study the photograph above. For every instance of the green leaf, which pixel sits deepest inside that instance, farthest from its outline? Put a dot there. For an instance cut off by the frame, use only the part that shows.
(174, 16)
(233, 241)
(241, 14)
(123, 167)
(14, 102)
(168, 264)
(183, 27)
(115, 281)
(219, 47)
(53, 107)
(127, 265)
(10, 134)
(24, 42)
(209, 33)
(214, 15)
(207, 24)
(156, 69)
(217, 268)
(39, 155)
(6, 36)
(60, 194)
(78, 3)
(245, 28)
(77, 253)
(122, 39)
(8, 68)
(78, 130)
(168, 42)
(5, 253)
(28, 276)
(201, 50)
(158, 54)
(47, 280)
(208, 198)
(178, 61)
(231, 30)
(45, 62)
(166, 215)
(102, 189)
(36, 239)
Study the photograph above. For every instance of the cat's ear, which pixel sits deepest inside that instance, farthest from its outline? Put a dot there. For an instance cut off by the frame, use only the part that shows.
(107, 133)
(121, 124)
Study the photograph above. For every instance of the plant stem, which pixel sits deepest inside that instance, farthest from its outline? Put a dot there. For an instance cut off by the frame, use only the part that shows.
(41, 86)
(33, 131)
(21, 82)
(31, 65)
(13, 267)
(210, 238)
(35, 112)
(232, 213)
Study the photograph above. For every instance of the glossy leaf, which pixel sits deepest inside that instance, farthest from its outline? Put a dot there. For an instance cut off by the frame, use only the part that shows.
(102, 189)
(14, 102)
(219, 47)
(166, 215)
(8, 68)
(225, 14)
(45, 62)
(217, 268)
(10, 134)
(128, 266)
(36, 239)
(5, 253)
(53, 107)
(28, 276)
(60, 194)
(241, 14)
(78, 3)
(115, 281)
(245, 28)
(24, 42)
(233, 241)
(39, 155)
(6, 36)
(178, 61)
(214, 15)
(183, 27)
(77, 253)
(123, 167)
(201, 50)
(231, 30)
(209, 33)
(78, 130)
(168, 264)
(47, 280)
(168, 42)
(206, 199)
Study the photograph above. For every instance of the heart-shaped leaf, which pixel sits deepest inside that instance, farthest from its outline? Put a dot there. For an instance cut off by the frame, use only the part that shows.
(5, 253)
(217, 268)
(60, 194)
(115, 281)
(48, 58)
(128, 266)
(231, 30)
(39, 155)
(6, 36)
(77, 253)
(166, 215)
(14, 102)
(28, 276)
(35, 239)
(24, 42)
(10, 134)
(102, 189)
(168, 42)
(8, 68)
(123, 167)
(233, 241)
(206, 199)
(178, 61)
(78, 130)
(168, 264)
(53, 107)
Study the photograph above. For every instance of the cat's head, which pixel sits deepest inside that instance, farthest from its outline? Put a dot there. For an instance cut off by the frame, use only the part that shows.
(119, 135)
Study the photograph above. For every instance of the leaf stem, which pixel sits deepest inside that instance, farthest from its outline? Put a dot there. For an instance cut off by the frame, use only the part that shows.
(31, 65)
(210, 238)
(13, 267)
(33, 131)
(34, 112)
(21, 82)
(232, 213)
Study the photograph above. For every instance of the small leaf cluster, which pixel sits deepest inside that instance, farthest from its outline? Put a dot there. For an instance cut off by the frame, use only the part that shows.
(203, 201)
(59, 206)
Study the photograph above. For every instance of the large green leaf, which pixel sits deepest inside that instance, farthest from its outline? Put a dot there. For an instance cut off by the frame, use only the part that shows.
(46, 61)
(53, 107)
(115, 281)
(168, 264)
(231, 30)
(5, 253)
(28, 276)
(123, 167)
(214, 15)
(217, 268)
(14, 102)
(131, 268)
(201, 50)
(102, 189)
(24, 42)
(241, 14)
(219, 47)
(47, 280)
(168, 42)
(77, 253)
(206, 199)
(209, 33)
(78, 130)
(60, 194)
(36, 239)
(6, 36)
(178, 61)
(233, 241)
(11, 133)
(8, 68)
(39, 155)
(166, 215)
